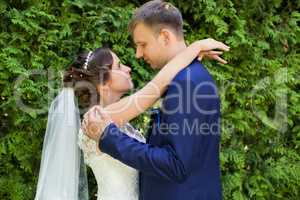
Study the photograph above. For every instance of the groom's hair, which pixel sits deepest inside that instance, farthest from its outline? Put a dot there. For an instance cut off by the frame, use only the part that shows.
(158, 14)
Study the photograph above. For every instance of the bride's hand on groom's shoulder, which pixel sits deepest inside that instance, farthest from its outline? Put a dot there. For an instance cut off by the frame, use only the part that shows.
(212, 55)
(208, 49)
(94, 122)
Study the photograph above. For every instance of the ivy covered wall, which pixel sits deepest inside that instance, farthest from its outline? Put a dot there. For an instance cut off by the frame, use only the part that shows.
(259, 88)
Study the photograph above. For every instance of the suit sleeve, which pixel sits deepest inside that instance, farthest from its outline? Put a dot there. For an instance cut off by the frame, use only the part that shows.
(172, 160)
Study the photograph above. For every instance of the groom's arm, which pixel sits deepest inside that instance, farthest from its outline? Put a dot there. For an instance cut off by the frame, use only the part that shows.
(174, 159)
(159, 161)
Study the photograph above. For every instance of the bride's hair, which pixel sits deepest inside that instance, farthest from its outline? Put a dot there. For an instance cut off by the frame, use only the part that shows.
(87, 71)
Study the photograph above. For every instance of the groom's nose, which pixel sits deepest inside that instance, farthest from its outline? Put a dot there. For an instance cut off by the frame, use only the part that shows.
(138, 53)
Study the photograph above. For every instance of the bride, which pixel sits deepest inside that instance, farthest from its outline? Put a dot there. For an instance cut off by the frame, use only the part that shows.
(98, 77)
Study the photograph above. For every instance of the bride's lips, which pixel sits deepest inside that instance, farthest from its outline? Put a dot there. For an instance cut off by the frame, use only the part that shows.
(129, 77)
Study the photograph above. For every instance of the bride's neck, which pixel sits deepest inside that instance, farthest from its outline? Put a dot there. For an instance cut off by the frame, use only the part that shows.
(109, 97)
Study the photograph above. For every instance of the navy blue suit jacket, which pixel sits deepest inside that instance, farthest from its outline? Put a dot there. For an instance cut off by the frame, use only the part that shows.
(181, 157)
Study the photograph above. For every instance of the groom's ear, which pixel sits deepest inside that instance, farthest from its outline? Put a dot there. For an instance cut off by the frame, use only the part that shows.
(165, 36)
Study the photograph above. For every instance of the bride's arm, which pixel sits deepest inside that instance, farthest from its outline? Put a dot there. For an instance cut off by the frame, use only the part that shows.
(131, 106)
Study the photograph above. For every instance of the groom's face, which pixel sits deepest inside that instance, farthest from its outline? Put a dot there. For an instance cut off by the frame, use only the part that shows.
(150, 46)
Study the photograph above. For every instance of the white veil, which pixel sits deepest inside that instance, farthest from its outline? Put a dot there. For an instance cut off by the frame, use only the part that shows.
(62, 173)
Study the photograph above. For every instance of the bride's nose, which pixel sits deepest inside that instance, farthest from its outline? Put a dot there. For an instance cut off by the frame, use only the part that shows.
(127, 69)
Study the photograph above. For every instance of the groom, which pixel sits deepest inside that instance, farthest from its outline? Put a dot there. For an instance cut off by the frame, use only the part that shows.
(181, 157)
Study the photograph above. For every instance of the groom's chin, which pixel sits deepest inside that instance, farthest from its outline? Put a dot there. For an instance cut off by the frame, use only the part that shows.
(155, 67)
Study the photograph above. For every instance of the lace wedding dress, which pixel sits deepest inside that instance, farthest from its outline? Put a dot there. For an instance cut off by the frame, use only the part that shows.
(115, 180)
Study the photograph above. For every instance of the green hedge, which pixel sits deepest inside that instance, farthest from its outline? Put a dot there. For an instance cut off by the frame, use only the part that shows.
(259, 88)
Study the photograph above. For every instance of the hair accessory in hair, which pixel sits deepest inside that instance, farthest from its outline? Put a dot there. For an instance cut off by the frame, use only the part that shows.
(87, 60)
(167, 6)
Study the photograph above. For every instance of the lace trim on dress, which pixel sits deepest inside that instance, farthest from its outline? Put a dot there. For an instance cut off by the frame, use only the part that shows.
(90, 147)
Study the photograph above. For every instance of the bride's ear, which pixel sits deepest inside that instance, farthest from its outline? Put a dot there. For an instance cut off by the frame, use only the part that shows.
(103, 87)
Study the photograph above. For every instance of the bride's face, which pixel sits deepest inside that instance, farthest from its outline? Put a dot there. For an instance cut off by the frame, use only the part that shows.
(120, 78)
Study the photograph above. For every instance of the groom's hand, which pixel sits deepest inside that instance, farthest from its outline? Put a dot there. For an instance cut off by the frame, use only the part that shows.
(94, 122)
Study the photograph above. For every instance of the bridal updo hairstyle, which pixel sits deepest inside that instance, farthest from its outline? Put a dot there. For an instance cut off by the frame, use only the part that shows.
(87, 71)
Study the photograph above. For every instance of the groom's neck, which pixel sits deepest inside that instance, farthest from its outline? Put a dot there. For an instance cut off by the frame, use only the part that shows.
(176, 49)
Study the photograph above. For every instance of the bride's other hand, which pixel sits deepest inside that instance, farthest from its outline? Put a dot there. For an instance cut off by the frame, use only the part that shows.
(207, 49)
(94, 122)
(211, 44)
(212, 55)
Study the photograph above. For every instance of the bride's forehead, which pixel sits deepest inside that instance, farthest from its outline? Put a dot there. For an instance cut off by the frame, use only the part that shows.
(115, 57)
